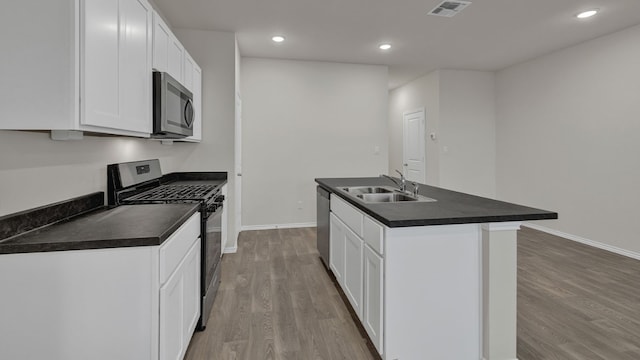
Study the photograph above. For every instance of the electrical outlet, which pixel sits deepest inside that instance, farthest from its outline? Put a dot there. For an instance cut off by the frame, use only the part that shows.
(299, 205)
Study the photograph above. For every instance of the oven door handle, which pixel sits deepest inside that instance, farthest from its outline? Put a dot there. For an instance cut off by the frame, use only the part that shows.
(216, 212)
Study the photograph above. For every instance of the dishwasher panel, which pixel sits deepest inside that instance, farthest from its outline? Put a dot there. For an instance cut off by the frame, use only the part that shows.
(323, 208)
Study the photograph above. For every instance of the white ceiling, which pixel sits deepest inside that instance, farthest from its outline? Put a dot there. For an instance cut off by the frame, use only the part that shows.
(487, 35)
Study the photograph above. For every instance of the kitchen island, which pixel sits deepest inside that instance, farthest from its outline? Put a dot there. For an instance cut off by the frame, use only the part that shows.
(428, 279)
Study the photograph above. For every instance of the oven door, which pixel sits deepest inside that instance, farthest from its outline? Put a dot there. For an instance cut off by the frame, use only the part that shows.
(213, 243)
(211, 254)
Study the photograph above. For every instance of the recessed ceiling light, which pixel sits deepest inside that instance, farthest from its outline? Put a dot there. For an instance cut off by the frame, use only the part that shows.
(385, 46)
(278, 38)
(587, 14)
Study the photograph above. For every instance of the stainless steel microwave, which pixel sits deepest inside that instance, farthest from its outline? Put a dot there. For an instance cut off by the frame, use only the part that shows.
(173, 112)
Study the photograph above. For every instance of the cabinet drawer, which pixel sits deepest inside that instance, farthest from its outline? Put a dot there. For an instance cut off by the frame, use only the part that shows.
(373, 235)
(349, 215)
(176, 247)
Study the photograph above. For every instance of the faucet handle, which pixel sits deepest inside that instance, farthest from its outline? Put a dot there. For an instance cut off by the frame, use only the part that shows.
(415, 188)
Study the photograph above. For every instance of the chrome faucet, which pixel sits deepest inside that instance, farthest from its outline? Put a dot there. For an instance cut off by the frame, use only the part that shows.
(415, 188)
(402, 185)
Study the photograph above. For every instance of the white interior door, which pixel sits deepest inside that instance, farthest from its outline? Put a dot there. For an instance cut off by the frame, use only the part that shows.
(238, 169)
(413, 158)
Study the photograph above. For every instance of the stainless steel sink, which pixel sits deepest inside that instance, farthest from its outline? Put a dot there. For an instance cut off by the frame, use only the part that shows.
(356, 190)
(392, 197)
(382, 194)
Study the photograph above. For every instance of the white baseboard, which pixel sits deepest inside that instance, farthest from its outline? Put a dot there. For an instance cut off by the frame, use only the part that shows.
(596, 244)
(277, 226)
(230, 250)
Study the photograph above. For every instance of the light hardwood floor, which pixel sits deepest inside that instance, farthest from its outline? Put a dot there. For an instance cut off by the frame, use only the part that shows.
(276, 301)
(576, 301)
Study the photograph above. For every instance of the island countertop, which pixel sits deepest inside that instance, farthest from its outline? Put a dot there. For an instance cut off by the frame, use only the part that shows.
(450, 207)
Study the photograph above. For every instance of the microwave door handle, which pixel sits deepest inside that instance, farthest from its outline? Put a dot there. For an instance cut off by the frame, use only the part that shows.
(188, 110)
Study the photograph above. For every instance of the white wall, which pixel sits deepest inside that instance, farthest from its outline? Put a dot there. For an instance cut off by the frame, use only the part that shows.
(460, 110)
(303, 120)
(467, 132)
(35, 170)
(215, 52)
(568, 137)
(421, 93)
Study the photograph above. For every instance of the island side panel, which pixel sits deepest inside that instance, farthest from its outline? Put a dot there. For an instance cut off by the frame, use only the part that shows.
(433, 292)
(500, 276)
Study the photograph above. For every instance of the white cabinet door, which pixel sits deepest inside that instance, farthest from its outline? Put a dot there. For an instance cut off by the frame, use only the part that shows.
(191, 307)
(193, 72)
(187, 71)
(172, 317)
(135, 64)
(161, 36)
(336, 245)
(168, 52)
(373, 296)
(179, 275)
(353, 270)
(116, 81)
(175, 58)
(197, 103)
(101, 64)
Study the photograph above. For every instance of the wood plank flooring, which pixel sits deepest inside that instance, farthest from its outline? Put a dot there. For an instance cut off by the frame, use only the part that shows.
(575, 301)
(276, 301)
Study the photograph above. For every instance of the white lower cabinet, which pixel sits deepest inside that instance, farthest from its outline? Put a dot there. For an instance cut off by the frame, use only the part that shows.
(357, 267)
(191, 306)
(336, 246)
(131, 303)
(179, 306)
(353, 278)
(372, 318)
(171, 299)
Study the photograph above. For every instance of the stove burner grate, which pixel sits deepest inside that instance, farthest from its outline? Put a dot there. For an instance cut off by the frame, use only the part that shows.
(174, 192)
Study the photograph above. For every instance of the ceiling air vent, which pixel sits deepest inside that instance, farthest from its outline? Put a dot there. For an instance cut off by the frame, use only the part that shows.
(449, 8)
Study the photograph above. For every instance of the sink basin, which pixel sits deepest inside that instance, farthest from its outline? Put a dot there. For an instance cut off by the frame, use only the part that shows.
(368, 190)
(382, 194)
(391, 197)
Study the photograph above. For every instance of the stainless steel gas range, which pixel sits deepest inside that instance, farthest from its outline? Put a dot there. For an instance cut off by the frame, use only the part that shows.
(142, 182)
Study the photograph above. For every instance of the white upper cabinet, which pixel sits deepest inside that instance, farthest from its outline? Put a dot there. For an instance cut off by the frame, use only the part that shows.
(171, 57)
(187, 71)
(116, 65)
(176, 58)
(161, 36)
(84, 66)
(168, 52)
(197, 103)
(193, 82)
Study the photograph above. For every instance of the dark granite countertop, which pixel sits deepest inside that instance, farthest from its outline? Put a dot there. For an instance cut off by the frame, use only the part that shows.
(451, 207)
(122, 226)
